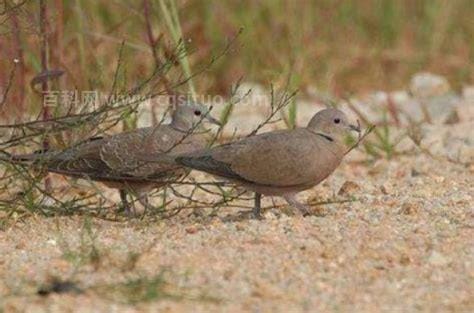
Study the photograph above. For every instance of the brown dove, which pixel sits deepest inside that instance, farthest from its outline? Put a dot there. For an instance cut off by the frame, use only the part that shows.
(282, 162)
(114, 160)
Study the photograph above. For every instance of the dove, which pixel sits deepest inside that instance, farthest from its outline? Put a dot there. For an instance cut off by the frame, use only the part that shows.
(114, 160)
(279, 163)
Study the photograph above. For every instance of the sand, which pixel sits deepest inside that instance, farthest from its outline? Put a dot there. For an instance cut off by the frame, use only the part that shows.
(406, 244)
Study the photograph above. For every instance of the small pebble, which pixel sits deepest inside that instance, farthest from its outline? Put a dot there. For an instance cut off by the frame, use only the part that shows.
(349, 187)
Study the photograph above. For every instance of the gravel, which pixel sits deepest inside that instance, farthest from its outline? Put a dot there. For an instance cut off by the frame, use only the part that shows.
(404, 245)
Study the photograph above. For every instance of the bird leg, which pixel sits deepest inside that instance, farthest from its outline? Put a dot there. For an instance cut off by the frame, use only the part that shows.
(304, 209)
(257, 209)
(144, 201)
(125, 204)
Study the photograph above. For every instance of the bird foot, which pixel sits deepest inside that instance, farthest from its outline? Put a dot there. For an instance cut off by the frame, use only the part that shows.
(125, 206)
(126, 210)
(257, 213)
(257, 209)
(247, 215)
(302, 210)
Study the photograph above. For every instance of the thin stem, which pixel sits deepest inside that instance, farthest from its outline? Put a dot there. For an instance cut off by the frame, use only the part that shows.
(19, 101)
(43, 20)
(172, 21)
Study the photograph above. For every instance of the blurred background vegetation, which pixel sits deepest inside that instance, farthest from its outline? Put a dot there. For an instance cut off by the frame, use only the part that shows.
(336, 46)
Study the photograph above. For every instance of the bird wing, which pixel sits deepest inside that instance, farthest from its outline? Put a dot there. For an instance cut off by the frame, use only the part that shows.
(281, 158)
(120, 157)
(124, 152)
(81, 160)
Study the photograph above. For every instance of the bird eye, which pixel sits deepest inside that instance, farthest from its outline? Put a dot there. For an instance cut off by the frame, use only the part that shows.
(337, 120)
(197, 112)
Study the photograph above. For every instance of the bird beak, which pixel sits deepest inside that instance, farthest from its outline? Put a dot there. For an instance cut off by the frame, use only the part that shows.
(212, 120)
(354, 128)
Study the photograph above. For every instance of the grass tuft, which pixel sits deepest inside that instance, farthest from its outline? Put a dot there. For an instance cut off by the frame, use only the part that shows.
(150, 289)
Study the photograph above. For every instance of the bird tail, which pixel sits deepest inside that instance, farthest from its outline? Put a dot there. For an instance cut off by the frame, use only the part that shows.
(203, 161)
(29, 158)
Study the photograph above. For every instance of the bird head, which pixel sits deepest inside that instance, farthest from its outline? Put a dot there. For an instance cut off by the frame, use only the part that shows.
(332, 124)
(191, 114)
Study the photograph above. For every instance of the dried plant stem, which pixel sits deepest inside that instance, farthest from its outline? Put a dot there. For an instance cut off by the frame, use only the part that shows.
(80, 36)
(393, 110)
(152, 41)
(11, 77)
(367, 131)
(43, 20)
(276, 105)
(105, 116)
(59, 34)
(364, 119)
(18, 58)
(7, 7)
(170, 14)
(149, 30)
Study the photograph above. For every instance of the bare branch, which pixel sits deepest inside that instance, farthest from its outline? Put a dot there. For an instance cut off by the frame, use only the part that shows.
(11, 78)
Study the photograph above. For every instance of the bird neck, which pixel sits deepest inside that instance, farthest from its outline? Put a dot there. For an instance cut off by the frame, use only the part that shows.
(180, 122)
(325, 136)
(334, 144)
(321, 134)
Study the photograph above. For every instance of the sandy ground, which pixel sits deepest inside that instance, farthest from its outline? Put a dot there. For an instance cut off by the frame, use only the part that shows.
(405, 245)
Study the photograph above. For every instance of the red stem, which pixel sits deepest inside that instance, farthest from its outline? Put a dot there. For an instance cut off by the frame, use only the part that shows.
(43, 21)
(20, 95)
